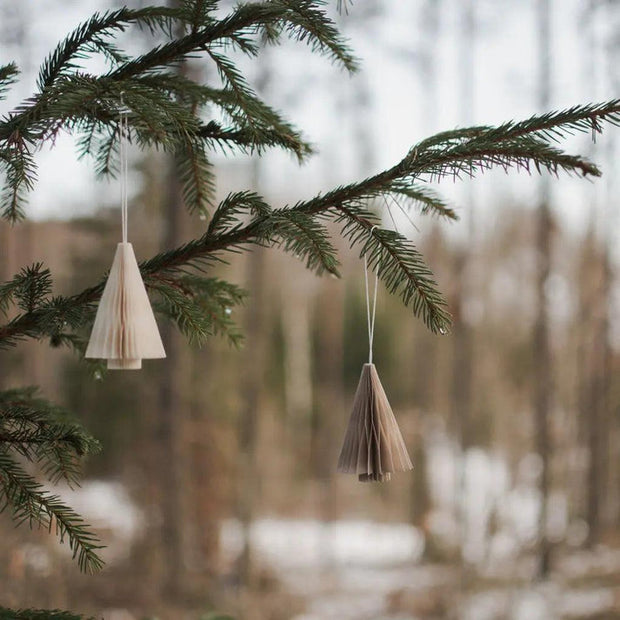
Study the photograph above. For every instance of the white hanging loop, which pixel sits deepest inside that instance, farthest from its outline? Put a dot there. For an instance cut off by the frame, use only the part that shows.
(125, 331)
(123, 128)
(373, 445)
(370, 316)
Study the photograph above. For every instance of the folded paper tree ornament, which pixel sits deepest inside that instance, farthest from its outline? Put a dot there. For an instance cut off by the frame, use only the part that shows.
(373, 446)
(125, 331)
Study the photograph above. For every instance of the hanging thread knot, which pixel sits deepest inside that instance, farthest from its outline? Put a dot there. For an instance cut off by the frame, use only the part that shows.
(370, 316)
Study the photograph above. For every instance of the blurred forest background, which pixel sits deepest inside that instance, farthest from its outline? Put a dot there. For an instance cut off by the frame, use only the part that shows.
(216, 487)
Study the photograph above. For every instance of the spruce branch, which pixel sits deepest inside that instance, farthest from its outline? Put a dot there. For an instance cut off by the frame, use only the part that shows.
(468, 151)
(39, 614)
(298, 18)
(28, 289)
(229, 139)
(427, 200)
(30, 503)
(20, 173)
(201, 307)
(303, 236)
(165, 111)
(89, 38)
(44, 433)
(197, 178)
(398, 264)
(8, 76)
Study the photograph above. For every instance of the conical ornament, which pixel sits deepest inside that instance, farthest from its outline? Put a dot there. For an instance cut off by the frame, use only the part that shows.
(373, 446)
(125, 331)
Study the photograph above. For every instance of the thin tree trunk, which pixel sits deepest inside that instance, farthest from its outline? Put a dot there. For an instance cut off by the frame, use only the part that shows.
(172, 413)
(543, 376)
(596, 422)
(330, 401)
(298, 385)
(248, 429)
(462, 355)
(253, 377)
(425, 349)
(589, 367)
(610, 221)
(171, 422)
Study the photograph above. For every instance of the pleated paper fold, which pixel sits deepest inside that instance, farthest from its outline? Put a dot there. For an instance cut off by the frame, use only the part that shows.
(125, 331)
(373, 445)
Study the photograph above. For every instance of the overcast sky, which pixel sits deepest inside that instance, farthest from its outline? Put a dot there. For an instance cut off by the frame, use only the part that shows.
(319, 98)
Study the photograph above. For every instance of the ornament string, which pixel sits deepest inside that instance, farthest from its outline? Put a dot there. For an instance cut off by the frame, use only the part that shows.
(370, 316)
(123, 128)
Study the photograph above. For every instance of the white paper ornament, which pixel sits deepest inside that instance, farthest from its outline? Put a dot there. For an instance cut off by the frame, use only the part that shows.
(125, 331)
(373, 445)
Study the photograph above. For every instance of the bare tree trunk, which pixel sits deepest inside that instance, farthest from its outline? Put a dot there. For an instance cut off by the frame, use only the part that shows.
(298, 384)
(425, 346)
(172, 412)
(172, 415)
(248, 429)
(463, 351)
(253, 377)
(329, 400)
(543, 376)
(586, 362)
(462, 354)
(608, 492)
(596, 417)
(588, 401)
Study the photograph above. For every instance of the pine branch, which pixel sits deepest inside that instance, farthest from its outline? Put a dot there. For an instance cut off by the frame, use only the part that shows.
(39, 614)
(43, 433)
(197, 178)
(28, 289)
(29, 503)
(303, 236)
(429, 201)
(247, 141)
(398, 264)
(8, 76)
(71, 100)
(512, 145)
(306, 21)
(299, 18)
(201, 307)
(89, 38)
(522, 144)
(19, 168)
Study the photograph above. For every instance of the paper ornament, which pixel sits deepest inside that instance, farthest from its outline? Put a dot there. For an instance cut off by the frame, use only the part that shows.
(373, 445)
(125, 331)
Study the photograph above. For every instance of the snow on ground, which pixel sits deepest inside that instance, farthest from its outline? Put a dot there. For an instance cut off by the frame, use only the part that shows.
(364, 570)
(289, 544)
(346, 572)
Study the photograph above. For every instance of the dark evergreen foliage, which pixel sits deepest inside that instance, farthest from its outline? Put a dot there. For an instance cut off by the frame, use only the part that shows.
(173, 113)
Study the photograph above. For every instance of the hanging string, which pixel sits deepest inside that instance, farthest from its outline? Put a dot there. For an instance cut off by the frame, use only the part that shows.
(370, 316)
(123, 128)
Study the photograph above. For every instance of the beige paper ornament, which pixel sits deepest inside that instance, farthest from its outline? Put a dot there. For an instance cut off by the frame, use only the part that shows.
(125, 331)
(373, 445)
